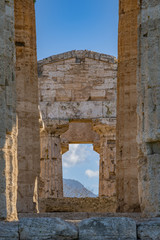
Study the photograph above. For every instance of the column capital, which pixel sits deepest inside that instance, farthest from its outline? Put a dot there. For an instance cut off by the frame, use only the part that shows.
(105, 127)
(55, 127)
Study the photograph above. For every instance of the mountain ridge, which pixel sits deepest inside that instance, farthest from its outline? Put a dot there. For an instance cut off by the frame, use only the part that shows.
(73, 188)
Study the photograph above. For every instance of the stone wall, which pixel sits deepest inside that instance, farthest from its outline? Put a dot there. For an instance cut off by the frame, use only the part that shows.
(8, 129)
(100, 205)
(78, 76)
(126, 147)
(149, 107)
(112, 228)
(28, 143)
(77, 90)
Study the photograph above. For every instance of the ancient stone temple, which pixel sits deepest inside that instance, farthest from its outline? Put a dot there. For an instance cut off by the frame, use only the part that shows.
(78, 91)
(77, 105)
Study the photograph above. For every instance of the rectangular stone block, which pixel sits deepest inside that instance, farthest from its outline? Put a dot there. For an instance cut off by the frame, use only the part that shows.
(63, 95)
(107, 229)
(76, 204)
(78, 110)
(149, 230)
(47, 228)
(98, 94)
(9, 231)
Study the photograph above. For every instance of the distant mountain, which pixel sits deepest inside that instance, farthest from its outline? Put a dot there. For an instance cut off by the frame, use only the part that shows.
(73, 188)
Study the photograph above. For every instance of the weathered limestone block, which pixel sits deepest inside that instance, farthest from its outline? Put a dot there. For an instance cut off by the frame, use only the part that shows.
(78, 110)
(9, 231)
(92, 205)
(107, 166)
(149, 184)
(46, 228)
(149, 230)
(107, 228)
(51, 179)
(79, 132)
(149, 107)
(8, 125)
(28, 144)
(126, 145)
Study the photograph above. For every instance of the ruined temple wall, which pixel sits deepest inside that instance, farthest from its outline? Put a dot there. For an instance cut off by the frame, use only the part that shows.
(8, 130)
(27, 104)
(149, 106)
(51, 180)
(75, 86)
(78, 78)
(126, 147)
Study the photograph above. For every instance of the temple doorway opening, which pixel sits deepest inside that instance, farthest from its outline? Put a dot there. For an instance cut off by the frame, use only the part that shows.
(80, 171)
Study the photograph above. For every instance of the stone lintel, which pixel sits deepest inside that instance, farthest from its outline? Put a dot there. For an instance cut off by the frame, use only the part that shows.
(78, 110)
(105, 127)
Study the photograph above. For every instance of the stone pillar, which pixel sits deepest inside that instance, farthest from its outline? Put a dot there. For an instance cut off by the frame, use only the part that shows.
(8, 126)
(51, 178)
(107, 171)
(126, 145)
(149, 108)
(28, 152)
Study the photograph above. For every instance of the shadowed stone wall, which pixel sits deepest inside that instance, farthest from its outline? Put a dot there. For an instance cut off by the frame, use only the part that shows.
(149, 107)
(138, 107)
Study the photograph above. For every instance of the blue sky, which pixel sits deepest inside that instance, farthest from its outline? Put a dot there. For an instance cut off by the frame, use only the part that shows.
(82, 163)
(64, 25)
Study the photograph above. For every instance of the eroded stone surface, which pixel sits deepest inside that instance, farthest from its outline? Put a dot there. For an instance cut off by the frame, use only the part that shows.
(126, 145)
(46, 228)
(98, 205)
(28, 143)
(107, 228)
(9, 231)
(149, 107)
(107, 166)
(149, 230)
(80, 132)
(8, 124)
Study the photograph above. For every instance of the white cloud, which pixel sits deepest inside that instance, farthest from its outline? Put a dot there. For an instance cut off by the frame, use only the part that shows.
(91, 173)
(77, 153)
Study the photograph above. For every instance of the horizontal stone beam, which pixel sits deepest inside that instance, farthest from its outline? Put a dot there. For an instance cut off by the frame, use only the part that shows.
(66, 204)
(78, 110)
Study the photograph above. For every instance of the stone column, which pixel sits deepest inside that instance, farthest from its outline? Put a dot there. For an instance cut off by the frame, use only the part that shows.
(8, 125)
(28, 144)
(107, 166)
(51, 178)
(149, 108)
(126, 145)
